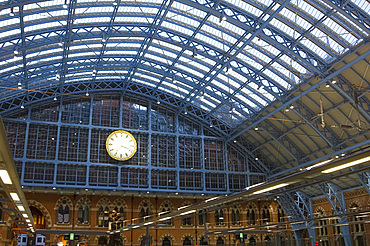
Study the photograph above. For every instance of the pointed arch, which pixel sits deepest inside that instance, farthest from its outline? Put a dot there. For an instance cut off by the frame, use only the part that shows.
(83, 208)
(63, 208)
(43, 210)
(252, 212)
(145, 209)
(103, 207)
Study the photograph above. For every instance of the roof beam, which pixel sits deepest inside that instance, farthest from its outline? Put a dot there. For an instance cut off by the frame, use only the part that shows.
(313, 87)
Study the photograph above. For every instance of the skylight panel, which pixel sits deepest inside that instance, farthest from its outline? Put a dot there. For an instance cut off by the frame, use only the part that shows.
(137, 10)
(308, 9)
(48, 59)
(10, 33)
(162, 52)
(194, 64)
(158, 58)
(82, 54)
(143, 82)
(43, 52)
(175, 86)
(284, 27)
(177, 28)
(176, 94)
(362, 4)
(291, 63)
(168, 45)
(295, 18)
(151, 78)
(92, 20)
(123, 45)
(183, 19)
(226, 88)
(246, 6)
(316, 49)
(242, 57)
(45, 15)
(188, 9)
(8, 22)
(42, 26)
(333, 45)
(86, 46)
(276, 78)
(84, 73)
(246, 101)
(121, 52)
(14, 59)
(265, 46)
(213, 42)
(261, 57)
(189, 70)
(341, 32)
(205, 60)
(76, 80)
(43, 4)
(219, 33)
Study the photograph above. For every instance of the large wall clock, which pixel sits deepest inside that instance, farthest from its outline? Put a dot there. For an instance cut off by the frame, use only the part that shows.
(121, 145)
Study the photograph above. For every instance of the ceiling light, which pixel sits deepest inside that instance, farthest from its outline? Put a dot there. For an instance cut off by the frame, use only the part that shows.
(188, 212)
(287, 110)
(349, 164)
(16, 52)
(256, 158)
(186, 112)
(65, 4)
(271, 188)
(333, 81)
(28, 220)
(5, 177)
(256, 128)
(318, 164)
(22, 106)
(291, 107)
(162, 219)
(21, 208)
(327, 85)
(115, 3)
(25, 215)
(14, 196)
(55, 98)
(158, 102)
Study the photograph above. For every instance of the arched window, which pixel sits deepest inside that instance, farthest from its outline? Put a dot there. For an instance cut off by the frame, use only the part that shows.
(144, 212)
(186, 242)
(166, 241)
(165, 208)
(63, 212)
(83, 213)
(103, 216)
(280, 213)
(235, 216)
(38, 218)
(265, 214)
(219, 217)
(220, 242)
(203, 241)
(202, 217)
(251, 215)
(187, 220)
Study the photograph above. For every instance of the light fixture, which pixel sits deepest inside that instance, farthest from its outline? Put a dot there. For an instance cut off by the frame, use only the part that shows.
(25, 215)
(22, 106)
(291, 107)
(186, 112)
(270, 188)
(19, 83)
(5, 177)
(28, 220)
(327, 84)
(87, 93)
(65, 4)
(16, 52)
(349, 164)
(256, 128)
(229, 69)
(60, 43)
(21, 208)
(333, 81)
(256, 158)
(115, 3)
(14, 196)
(94, 71)
(55, 98)
(104, 39)
(188, 212)
(57, 76)
(286, 109)
(158, 102)
(231, 109)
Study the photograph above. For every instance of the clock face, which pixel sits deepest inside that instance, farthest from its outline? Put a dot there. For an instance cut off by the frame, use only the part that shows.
(121, 145)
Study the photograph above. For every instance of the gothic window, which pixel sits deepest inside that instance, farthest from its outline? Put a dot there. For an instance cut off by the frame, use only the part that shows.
(219, 217)
(265, 214)
(83, 213)
(121, 213)
(203, 217)
(144, 212)
(63, 212)
(186, 220)
(280, 213)
(166, 241)
(251, 215)
(235, 216)
(103, 216)
(220, 242)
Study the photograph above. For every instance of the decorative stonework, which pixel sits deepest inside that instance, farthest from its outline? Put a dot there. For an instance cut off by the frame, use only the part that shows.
(149, 204)
(186, 203)
(318, 201)
(355, 193)
(190, 236)
(119, 202)
(60, 202)
(163, 206)
(103, 202)
(170, 236)
(254, 207)
(319, 211)
(43, 210)
(83, 201)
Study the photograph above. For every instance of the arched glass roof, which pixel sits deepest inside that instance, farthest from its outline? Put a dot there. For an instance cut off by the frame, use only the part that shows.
(232, 64)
